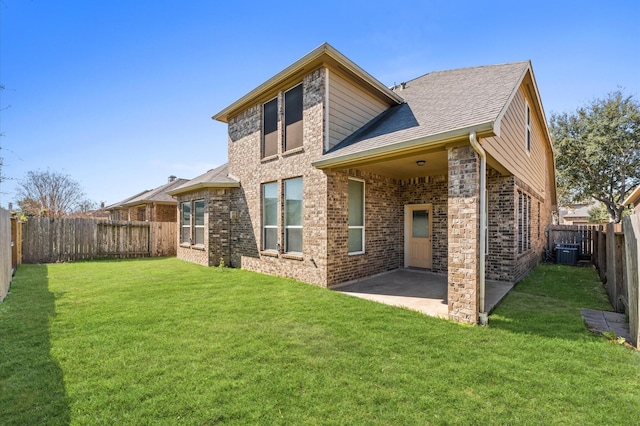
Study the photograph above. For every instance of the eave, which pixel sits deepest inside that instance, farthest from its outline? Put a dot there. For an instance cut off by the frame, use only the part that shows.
(323, 55)
(203, 185)
(408, 147)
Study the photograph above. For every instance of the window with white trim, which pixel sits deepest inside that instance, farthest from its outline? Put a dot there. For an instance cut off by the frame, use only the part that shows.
(270, 216)
(356, 216)
(524, 222)
(198, 222)
(185, 215)
(293, 215)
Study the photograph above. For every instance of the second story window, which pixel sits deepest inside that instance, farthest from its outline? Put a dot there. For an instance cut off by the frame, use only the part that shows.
(293, 118)
(270, 128)
(282, 122)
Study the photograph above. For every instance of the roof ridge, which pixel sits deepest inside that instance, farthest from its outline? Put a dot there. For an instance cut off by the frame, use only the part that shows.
(468, 68)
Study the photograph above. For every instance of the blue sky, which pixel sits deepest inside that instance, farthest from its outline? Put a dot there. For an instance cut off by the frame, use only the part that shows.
(119, 94)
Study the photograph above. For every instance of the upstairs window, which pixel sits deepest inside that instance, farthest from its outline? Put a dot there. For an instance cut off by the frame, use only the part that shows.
(270, 128)
(293, 118)
(356, 217)
(293, 215)
(528, 130)
(270, 216)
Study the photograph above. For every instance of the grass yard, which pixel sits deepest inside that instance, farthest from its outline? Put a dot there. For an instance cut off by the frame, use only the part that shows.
(163, 341)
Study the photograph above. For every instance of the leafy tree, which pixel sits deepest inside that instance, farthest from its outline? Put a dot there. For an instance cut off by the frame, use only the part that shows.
(599, 214)
(50, 194)
(598, 151)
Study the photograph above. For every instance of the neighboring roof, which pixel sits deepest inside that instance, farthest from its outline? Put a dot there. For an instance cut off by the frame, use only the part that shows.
(439, 107)
(158, 195)
(325, 54)
(633, 198)
(214, 178)
(120, 204)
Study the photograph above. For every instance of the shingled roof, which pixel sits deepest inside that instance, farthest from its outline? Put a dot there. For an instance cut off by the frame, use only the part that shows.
(438, 105)
(214, 178)
(157, 195)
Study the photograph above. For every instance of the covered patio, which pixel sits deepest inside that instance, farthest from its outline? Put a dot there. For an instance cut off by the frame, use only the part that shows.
(418, 290)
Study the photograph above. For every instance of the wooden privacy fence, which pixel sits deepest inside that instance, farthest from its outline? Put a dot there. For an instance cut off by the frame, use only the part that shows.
(48, 240)
(616, 258)
(5, 253)
(582, 235)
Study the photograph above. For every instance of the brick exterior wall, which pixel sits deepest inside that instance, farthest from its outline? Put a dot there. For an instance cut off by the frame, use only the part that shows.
(464, 234)
(501, 231)
(246, 164)
(165, 213)
(430, 190)
(217, 225)
(384, 227)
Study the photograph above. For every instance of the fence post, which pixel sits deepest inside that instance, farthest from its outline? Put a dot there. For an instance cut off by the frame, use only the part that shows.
(602, 254)
(631, 230)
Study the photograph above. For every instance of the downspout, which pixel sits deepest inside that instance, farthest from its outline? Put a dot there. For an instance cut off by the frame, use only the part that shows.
(482, 315)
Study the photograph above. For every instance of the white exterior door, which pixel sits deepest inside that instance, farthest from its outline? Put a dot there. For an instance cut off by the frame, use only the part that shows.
(418, 225)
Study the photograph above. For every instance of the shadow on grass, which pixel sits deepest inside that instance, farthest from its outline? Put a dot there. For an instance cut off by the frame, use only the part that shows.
(32, 389)
(548, 302)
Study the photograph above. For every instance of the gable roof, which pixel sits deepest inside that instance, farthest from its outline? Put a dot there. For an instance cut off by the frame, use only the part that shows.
(214, 178)
(120, 204)
(439, 107)
(325, 54)
(158, 195)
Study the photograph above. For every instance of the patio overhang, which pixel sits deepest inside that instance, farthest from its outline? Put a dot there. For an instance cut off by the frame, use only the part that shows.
(401, 157)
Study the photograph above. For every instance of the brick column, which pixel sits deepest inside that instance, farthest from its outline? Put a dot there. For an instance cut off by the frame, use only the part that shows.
(464, 234)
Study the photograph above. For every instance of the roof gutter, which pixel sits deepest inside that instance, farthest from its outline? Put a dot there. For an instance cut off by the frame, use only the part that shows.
(482, 315)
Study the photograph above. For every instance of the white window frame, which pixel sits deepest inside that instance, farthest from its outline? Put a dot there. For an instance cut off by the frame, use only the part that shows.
(287, 227)
(182, 225)
(363, 217)
(195, 227)
(265, 227)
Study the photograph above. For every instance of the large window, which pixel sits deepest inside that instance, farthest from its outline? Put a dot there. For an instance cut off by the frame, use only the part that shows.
(198, 222)
(270, 216)
(270, 128)
(293, 215)
(185, 215)
(293, 118)
(356, 216)
(290, 115)
(192, 222)
(524, 222)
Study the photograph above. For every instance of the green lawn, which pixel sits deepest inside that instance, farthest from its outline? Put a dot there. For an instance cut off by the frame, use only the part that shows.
(163, 341)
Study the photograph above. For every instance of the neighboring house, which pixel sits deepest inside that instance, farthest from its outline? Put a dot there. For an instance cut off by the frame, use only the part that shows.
(633, 200)
(154, 205)
(577, 214)
(333, 176)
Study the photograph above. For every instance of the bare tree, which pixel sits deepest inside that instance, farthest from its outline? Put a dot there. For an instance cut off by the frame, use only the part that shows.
(49, 194)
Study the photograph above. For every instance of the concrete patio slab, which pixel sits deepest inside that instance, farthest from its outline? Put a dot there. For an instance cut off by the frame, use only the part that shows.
(603, 321)
(418, 290)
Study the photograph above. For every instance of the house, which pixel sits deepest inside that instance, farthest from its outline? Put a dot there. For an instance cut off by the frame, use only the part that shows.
(153, 205)
(333, 176)
(576, 214)
(633, 200)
